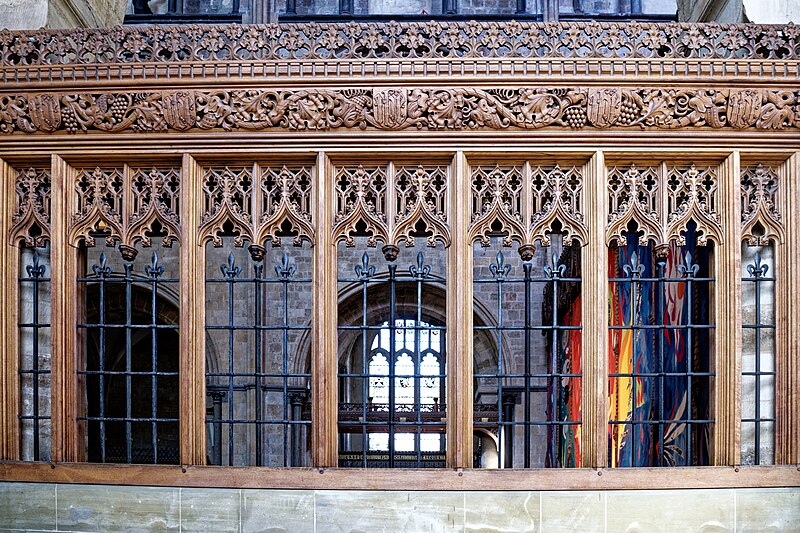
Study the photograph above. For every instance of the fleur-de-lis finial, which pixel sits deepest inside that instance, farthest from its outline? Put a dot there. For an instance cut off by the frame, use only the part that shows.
(421, 270)
(499, 269)
(102, 269)
(365, 271)
(154, 269)
(231, 270)
(635, 268)
(757, 269)
(688, 269)
(35, 269)
(286, 268)
(554, 270)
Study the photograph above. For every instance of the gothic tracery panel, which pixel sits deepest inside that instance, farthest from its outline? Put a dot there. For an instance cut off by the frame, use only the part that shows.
(557, 204)
(31, 220)
(497, 203)
(227, 198)
(634, 194)
(155, 196)
(100, 198)
(692, 195)
(285, 204)
(759, 205)
(421, 204)
(361, 203)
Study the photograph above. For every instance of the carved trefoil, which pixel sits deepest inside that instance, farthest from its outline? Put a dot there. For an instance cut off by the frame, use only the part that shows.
(31, 220)
(761, 220)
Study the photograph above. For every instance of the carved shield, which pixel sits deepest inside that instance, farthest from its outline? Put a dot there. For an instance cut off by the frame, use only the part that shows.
(744, 107)
(179, 110)
(390, 107)
(45, 112)
(603, 106)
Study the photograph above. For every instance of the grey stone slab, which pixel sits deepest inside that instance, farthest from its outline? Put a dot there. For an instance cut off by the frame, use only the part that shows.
(115, 508)
(389, 511)
(277, 511)
(496, 512)
(573, 511)
(28, 506)
(210, 510)
(671, 510)
(768, 510)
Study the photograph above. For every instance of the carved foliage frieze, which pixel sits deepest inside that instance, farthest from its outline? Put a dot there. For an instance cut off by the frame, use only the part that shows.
(398, 109)
(498, 199)
(361, 203)
(761, 219)
(421, 204)
(398, 40)
(660, 203)
(126, 205)
(31, 219)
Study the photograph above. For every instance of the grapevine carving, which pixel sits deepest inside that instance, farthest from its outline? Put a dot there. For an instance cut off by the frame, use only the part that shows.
(286, 204)
(759, 189)
(361, 200)
(31, 220)
(397, 109)
(498, 197)
(421, 196)
(405, 40)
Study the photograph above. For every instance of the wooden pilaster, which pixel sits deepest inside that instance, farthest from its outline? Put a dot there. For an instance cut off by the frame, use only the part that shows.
(324, 389)
(192, 318)
(459, 320)
(594, 273)
(727, 345)
(9, 359)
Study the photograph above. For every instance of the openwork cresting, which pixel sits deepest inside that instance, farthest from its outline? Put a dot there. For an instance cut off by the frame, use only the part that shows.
(397, 40)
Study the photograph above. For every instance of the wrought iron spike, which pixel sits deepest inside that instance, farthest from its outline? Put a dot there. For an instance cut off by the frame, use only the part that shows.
(499, 268)
(421, 270)
(231, 270)
(688, 269)
(757, 269)
(35, 269)
(154, 269)
(286, 268)
(365, 270)
(635, 269)
(102, 269)
(555, 270)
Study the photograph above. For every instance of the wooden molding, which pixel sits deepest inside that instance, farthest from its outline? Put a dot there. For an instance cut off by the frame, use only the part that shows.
(727, 344)
(594, 410)
(407, 479)
(9, 357)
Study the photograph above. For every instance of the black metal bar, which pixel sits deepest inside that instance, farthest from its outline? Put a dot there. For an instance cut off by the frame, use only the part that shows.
(392, 357)
(527, 268)
(258, 274)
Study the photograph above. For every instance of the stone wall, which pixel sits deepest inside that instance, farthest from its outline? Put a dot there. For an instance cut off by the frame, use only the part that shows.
(34, 14)
(50, 507)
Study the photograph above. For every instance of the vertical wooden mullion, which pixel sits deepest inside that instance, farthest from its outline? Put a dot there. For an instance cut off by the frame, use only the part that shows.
(192, 382)
(727, 290)
(787, 317)
(63, 313)
(9, 357)
(459, 320)
(324, 389)
(594, 274)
